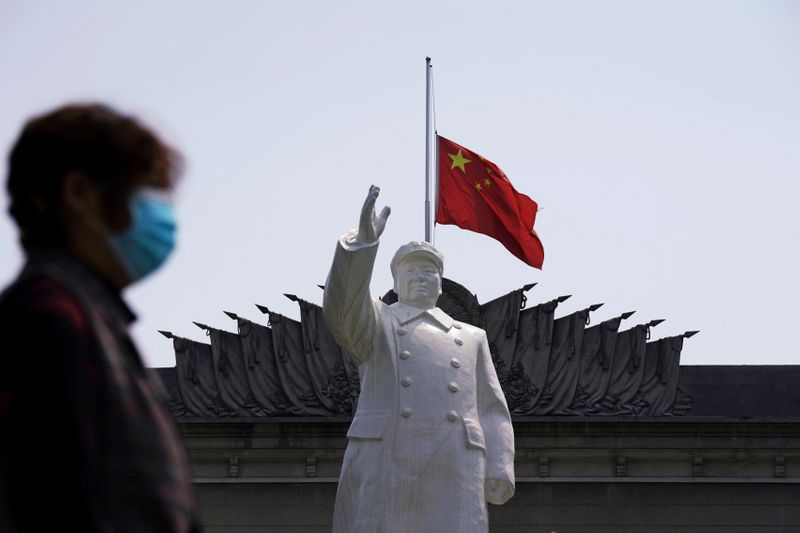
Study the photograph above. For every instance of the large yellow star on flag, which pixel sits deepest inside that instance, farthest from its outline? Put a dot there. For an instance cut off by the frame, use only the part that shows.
(459, 161)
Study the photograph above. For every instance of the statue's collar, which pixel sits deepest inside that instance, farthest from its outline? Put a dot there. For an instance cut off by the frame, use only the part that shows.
(406, 313)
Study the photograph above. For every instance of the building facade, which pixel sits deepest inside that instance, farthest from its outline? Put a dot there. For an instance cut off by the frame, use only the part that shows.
(612, 433)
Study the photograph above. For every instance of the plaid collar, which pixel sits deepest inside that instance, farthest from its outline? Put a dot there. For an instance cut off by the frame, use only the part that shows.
(87, 277)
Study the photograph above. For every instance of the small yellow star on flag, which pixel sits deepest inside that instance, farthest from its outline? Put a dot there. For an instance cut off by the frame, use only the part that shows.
(459, 161)
(487, 182)
(477, 186)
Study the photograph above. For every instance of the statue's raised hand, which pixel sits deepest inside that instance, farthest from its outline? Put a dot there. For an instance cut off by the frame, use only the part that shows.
(371, 225)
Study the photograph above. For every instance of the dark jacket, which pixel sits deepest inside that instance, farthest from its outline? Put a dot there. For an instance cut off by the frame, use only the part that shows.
(86, 443)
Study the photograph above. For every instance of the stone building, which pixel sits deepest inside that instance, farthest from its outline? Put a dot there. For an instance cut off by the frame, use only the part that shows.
(612, 433)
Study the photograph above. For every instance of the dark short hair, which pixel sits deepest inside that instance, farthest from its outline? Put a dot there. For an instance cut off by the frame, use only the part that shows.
(114, 150)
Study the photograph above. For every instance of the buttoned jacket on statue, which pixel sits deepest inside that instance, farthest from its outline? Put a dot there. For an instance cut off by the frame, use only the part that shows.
(432, 424)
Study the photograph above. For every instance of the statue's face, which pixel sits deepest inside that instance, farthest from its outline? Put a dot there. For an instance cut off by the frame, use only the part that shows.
(418, 282)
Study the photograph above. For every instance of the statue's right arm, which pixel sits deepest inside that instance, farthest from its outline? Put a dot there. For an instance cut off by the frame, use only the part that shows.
(348, 307)
(347, 303)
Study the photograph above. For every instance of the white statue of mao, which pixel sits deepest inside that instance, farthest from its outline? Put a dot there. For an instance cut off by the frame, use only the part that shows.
(431, 441)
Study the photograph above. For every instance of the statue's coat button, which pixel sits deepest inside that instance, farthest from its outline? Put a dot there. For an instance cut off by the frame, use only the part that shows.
(405, 354)
(452, 386)
(457, 326)
(452, 416)
(455, 363)
(401, 331)
(406, 381)
(405, 412)
(459, 341)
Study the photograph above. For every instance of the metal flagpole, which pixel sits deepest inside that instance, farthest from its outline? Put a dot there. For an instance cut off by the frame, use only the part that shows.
(434, 163)
(428, 136)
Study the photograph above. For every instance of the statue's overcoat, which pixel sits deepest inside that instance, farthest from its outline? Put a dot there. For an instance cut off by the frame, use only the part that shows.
(432, 424)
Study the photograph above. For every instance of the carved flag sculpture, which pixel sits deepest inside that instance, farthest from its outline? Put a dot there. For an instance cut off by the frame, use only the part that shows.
(474, 194)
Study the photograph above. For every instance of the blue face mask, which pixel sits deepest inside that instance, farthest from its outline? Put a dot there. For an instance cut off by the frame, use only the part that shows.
(151, 238)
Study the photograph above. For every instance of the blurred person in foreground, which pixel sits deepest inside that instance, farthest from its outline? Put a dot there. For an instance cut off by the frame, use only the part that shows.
(86, 443)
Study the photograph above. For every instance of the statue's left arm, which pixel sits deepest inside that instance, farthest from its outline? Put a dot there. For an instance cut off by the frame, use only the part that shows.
(497, 429)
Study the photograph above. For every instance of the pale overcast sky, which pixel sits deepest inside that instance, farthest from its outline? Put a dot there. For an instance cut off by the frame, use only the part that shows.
(661, 139)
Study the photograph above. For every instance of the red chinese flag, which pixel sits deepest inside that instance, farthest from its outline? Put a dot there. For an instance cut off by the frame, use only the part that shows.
(474, 194)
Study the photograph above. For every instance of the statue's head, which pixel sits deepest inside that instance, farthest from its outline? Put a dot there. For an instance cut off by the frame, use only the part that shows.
(417, 270)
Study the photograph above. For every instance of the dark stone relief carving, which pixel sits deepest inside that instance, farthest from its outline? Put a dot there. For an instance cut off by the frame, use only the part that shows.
(532, 354)
(546, 365)
(596, 356)
(564, 364)
(197, 384)
(501, 321)
(261, 369)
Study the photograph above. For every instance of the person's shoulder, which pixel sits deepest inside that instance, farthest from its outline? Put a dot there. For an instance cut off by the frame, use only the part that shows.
(41, 298)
